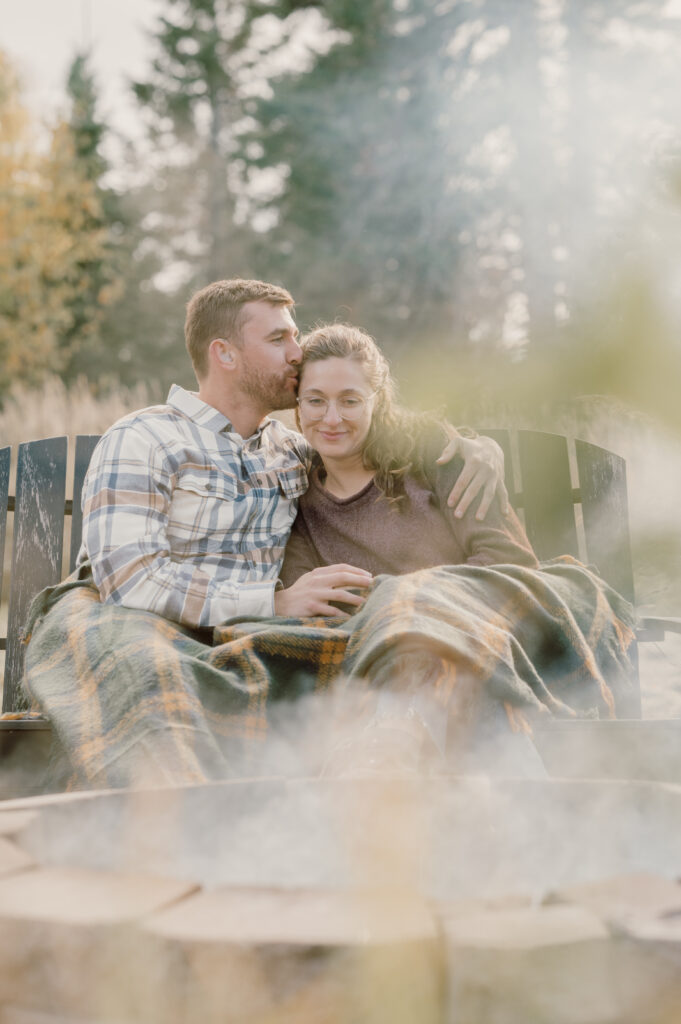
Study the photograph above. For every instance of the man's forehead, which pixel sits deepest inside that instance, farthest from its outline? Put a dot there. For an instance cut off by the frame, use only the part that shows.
(260, 311)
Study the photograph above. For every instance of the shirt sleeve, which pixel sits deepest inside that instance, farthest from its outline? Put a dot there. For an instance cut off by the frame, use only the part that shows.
(301, 555)
(126, 498)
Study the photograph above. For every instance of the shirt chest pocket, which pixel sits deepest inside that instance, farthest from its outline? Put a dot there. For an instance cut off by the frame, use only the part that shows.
(203, 507)
(291, 484)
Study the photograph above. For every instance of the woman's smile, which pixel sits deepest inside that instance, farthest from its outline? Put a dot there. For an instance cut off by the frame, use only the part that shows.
(331, 435)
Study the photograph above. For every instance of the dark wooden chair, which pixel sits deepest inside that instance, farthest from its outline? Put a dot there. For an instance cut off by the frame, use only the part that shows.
(40, 510)
(571, 494)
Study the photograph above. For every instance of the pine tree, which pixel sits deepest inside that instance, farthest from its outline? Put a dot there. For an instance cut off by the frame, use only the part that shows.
(84, 345)
(193, 106)
(438, 184)
(124, 328)
(367, 226)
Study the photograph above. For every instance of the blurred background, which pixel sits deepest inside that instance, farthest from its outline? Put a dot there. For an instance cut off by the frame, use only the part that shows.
(491, 187)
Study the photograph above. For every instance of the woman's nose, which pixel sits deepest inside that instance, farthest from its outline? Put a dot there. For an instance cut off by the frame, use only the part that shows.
(331, 414)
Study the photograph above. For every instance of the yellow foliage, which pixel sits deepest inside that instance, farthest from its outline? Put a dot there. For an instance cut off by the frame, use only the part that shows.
(50, 228)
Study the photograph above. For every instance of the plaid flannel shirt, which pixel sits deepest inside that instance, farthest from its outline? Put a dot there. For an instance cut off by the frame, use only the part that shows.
(187, 519)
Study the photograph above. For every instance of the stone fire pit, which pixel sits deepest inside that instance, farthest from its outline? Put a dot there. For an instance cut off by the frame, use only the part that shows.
(267, 901)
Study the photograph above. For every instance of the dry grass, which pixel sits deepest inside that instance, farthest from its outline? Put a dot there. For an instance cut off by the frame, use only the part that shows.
(55, 409)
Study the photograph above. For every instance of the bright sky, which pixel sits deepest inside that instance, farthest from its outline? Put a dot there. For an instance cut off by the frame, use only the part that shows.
(41, 38)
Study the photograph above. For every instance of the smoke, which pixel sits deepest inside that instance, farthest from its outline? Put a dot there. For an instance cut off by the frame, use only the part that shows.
(447, 839)
(312, 896)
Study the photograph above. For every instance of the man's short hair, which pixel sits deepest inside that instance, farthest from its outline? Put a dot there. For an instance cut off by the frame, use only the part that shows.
(216, 311)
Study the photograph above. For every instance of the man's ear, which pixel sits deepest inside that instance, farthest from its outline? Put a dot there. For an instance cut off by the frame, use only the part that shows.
(222, 351)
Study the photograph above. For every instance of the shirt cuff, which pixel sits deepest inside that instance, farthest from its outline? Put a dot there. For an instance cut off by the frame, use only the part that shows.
(255, 600)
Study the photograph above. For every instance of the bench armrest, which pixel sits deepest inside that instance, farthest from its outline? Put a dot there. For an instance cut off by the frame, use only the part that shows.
(654, 627)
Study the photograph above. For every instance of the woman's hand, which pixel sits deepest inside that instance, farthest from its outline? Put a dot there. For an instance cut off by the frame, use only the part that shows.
(313, 593)
(483, 470)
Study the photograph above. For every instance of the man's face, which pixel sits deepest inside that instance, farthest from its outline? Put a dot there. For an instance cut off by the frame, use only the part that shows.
(269, 356)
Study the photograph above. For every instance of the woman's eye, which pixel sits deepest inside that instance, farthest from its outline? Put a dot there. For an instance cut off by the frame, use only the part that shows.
(315, 403)
(350, 403)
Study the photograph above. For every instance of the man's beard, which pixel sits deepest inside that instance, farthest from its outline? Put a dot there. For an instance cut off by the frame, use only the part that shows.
(271, 391)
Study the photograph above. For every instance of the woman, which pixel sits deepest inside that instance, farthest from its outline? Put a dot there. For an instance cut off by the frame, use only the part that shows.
(455, 651)
(376, 499)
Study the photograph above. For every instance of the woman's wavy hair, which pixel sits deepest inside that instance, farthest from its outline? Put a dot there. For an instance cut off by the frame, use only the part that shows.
(391, 444)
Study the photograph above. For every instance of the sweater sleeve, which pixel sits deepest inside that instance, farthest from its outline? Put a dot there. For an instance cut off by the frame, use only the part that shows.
(498, 539)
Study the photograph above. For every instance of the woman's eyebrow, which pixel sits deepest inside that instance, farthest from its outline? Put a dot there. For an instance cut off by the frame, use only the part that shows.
(343, 391)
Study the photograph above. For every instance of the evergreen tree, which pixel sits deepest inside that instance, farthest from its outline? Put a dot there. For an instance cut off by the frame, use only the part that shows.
(368, 224)
(452, 169)
(193, 106)
(86, 349)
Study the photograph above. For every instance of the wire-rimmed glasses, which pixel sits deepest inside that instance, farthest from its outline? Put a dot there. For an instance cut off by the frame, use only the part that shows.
(348, 407)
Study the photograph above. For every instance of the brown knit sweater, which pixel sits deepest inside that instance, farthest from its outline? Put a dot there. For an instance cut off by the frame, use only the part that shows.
(368, 531)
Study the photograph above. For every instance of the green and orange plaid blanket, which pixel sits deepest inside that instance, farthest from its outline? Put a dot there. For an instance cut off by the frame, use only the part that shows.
(135, 699)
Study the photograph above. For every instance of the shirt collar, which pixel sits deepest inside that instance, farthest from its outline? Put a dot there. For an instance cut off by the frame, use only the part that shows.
(204, 415)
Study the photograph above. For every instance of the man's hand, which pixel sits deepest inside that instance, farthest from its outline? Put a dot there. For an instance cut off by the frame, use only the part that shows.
(313, 592)
(483, 470)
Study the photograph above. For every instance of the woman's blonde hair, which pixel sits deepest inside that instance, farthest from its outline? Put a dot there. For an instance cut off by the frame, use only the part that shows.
(390, 447)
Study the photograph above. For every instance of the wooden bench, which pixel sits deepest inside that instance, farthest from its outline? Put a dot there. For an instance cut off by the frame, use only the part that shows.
(571, 494)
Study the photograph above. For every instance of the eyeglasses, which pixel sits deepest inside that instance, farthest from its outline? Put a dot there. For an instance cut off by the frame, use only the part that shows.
(348, 407)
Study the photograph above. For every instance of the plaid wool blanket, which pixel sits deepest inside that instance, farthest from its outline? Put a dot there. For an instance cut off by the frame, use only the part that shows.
(135, 699)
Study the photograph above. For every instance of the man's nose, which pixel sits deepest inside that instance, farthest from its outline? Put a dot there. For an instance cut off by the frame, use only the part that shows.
(295, 352)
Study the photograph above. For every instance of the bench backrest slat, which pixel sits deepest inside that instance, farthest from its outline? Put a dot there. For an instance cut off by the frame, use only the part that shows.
(38, 543)
(603, 487)
(85, 445)
(5, 457)
(547, 494)
(503, 439)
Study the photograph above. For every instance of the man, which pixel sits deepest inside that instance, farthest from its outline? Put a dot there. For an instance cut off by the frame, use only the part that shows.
(186, 511)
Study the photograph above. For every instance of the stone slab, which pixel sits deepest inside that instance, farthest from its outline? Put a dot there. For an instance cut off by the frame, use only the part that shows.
(530, 966)
(13, 858)
(308, 917)
(307, 957)
(67, 937)
(81, 896)
(626, 898)
(13, 822)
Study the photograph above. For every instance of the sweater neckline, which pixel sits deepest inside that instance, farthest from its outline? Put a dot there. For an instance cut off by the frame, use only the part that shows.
(368, 487)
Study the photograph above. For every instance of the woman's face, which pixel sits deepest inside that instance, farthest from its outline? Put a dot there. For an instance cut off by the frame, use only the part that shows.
(335, 403)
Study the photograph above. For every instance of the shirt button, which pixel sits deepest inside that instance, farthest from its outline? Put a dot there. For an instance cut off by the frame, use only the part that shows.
(209, 487)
